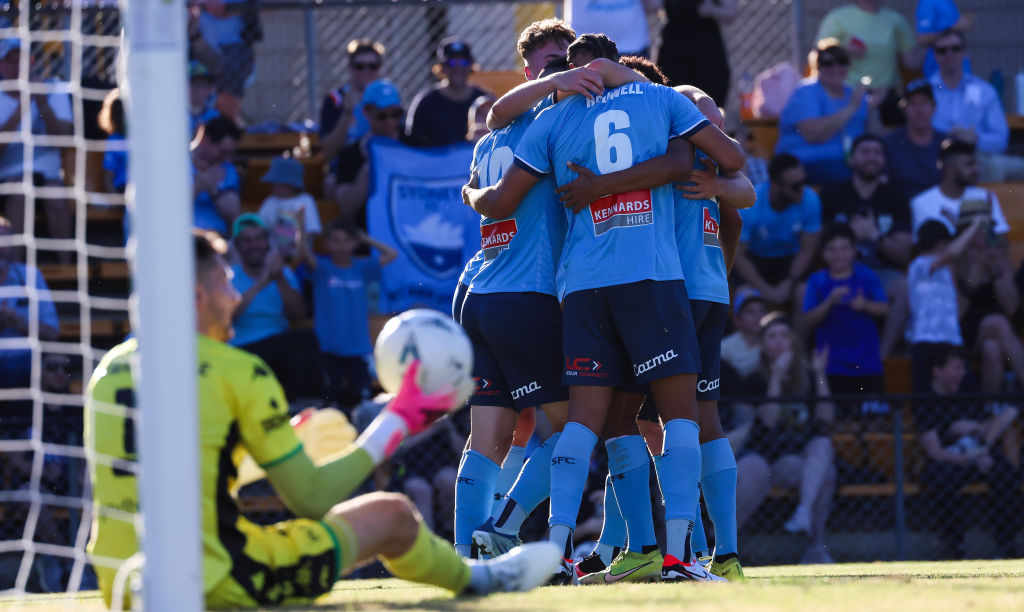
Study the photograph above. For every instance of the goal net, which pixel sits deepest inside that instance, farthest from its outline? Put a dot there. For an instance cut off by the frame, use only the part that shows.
(76, 172)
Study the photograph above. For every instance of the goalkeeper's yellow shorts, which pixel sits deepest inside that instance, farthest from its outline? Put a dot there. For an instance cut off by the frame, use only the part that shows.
(287, 563)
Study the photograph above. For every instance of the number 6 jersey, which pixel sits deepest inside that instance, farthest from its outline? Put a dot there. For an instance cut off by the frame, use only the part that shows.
(620, 238)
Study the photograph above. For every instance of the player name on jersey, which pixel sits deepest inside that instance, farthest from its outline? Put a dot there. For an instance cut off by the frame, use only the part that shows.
(628, 209)
(495, 237)
(710, 229)
(625, 90)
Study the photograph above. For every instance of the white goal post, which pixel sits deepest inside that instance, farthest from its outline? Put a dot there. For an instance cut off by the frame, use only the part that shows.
(160, 203)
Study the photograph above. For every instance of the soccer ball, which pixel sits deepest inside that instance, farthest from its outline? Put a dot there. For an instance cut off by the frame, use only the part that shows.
(437, 341)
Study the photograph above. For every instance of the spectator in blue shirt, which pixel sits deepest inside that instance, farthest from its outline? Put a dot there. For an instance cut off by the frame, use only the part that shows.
(215, 182)
(842, 304)
(340, 314)
(270, 304)
(933, 17)
(780, 231)
(969, 108)
(824, 115)
(15, 312)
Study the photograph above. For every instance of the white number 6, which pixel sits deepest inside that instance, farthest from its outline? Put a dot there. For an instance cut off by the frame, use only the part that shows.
(606, 141)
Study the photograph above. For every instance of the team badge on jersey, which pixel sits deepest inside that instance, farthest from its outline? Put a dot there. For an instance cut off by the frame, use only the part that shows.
(495, 237)
(629, 209)
(710, 229)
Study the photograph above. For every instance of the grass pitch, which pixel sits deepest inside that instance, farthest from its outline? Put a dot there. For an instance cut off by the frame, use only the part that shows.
(935, 587)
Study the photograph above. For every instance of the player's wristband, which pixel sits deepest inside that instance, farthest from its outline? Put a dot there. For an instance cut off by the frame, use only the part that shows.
(383, 436)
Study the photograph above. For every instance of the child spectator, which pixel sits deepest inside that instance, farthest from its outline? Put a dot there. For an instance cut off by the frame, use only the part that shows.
(841, 305)
(934, 318)
(742, 349)
(280, 211)
(340, 316)
(788, 444)
(115, 162)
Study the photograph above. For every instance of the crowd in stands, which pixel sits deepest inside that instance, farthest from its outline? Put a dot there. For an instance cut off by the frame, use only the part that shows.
(873, 235)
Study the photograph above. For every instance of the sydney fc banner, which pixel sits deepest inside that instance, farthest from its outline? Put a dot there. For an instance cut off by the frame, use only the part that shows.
(415, 206)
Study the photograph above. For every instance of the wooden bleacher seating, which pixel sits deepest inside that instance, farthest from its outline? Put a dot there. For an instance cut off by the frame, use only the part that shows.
(498, 82)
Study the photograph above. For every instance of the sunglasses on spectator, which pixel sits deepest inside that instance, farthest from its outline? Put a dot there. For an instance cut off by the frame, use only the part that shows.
(795, 185)
(365, 65)
(949, 49)
(828, 62)
(458, 62)
(56, 367)
(384, 115)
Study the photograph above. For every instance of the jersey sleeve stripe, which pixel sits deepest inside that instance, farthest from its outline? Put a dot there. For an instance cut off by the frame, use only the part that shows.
(696, 127)
(527, 167)
(282, 458)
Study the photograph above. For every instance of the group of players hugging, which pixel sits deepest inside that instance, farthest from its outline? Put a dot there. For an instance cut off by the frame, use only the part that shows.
(600, 191)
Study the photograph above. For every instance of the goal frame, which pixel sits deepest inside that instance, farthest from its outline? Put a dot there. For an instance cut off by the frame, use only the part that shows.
(163, 304)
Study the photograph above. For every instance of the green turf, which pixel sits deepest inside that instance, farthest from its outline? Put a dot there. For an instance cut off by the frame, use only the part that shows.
(935, 587)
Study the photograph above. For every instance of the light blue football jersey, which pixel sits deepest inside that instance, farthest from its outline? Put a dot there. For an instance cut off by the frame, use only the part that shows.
(518, 253)
(620, 238)
(700, 252)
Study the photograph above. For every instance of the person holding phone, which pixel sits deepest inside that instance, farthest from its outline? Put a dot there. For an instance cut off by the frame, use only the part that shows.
(957, 193)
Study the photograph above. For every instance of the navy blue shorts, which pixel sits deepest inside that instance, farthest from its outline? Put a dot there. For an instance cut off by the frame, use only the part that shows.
(628, 334)
(709, 319)
(517, 349)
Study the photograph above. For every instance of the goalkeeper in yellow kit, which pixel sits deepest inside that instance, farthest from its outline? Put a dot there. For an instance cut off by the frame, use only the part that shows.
(242, 410)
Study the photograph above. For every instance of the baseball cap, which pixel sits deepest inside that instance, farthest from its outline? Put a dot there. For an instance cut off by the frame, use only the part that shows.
(918, 86)
(382, 93)
(452, 47)
(245, 220)
(746, 296)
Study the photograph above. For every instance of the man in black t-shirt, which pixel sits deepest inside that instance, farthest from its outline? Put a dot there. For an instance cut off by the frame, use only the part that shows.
(439, 115)
(876, 212)
(962, 444)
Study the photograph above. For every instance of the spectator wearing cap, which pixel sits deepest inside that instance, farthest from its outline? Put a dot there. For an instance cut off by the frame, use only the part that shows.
(912, 150)
(52, 116)
(957, 192)
(271, 303)
(439, 114)
(824, 115)
(878, 215)
(742, 348)
(382, 107)
(342, 121)
(215, 182)
(289, 208)
(967, 107)
(201, 95)
(780, 231)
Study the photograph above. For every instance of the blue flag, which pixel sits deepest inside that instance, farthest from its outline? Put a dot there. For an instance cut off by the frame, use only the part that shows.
(415, 206)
